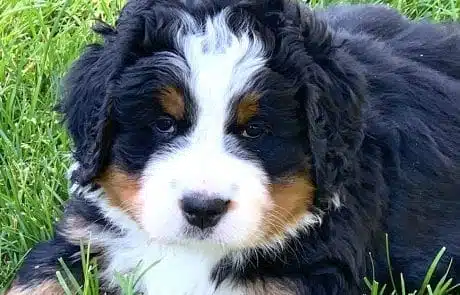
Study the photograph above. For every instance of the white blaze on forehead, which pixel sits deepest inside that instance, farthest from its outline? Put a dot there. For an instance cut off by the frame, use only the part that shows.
(222, 66)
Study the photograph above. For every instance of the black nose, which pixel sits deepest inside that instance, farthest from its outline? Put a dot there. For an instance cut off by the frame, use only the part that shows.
(203, 212)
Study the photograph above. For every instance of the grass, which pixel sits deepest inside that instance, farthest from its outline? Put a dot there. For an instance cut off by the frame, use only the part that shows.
(444, 286)
(38, 41)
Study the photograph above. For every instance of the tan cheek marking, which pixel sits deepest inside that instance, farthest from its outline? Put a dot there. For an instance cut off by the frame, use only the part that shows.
(122, 191)
(292, 198)
(173, 103)
(49, 287)
(247, 108)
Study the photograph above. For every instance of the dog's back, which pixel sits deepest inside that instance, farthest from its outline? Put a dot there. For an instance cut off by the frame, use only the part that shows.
(415, 116)
(436, 46)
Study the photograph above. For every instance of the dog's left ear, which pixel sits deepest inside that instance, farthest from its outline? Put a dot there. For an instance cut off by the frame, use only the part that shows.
(332, 97)
(331, 93)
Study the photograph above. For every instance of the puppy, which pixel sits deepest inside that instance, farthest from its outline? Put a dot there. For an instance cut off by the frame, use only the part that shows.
(259, 147)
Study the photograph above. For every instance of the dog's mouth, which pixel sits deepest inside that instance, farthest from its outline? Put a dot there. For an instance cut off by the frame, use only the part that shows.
(195, 233)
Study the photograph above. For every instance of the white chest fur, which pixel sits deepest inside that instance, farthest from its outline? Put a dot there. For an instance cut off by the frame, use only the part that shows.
(172, 269)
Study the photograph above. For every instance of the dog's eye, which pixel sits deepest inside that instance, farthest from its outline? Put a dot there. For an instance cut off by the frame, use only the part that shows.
(165, 125)
(253, 131)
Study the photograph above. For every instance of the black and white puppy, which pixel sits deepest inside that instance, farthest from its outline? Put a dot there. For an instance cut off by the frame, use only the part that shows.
(259, 147)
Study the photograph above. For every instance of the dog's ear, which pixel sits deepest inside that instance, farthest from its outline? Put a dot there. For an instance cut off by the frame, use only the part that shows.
(86, 108)
(332, 87)
(87, 96)
(332, 97)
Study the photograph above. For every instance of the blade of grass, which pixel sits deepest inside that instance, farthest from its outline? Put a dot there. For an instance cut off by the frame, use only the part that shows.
(454, 288)
(431, 271)
(390, 268)
(443, 279)
(75, 285)
(403, 285)
(63, 283)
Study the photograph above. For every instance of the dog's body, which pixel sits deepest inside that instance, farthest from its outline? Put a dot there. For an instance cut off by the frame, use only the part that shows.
(363, 109)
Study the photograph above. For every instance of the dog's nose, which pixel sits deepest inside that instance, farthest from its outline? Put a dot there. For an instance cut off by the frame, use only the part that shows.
(203, 211)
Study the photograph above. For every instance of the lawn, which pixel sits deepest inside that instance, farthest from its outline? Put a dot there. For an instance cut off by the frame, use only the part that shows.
(38, 41)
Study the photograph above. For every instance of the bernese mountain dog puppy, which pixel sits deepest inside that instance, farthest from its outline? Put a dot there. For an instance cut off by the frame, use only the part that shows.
(259, 147)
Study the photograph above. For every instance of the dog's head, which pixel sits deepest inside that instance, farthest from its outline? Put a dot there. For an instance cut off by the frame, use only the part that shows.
(222, 123)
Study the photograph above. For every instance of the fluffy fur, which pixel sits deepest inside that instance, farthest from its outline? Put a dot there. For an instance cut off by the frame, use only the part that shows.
(320, 131)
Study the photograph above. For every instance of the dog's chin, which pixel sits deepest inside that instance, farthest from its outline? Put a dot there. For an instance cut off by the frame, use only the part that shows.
(196, 234)
(202, 238)
(232, 232)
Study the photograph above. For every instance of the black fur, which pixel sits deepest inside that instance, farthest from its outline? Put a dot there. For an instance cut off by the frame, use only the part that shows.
(372, 101)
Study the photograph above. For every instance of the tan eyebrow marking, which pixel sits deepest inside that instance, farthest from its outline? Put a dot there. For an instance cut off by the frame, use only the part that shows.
(247, 108)
(172, 101)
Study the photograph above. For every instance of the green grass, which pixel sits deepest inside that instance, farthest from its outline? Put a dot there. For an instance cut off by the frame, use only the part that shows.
(38, 41)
